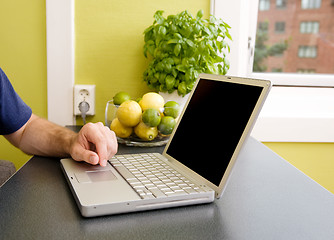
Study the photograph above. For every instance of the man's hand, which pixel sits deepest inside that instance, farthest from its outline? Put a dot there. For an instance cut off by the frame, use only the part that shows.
(94, 144)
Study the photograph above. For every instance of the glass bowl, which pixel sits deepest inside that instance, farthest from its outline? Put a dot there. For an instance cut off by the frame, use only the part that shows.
(133, 140)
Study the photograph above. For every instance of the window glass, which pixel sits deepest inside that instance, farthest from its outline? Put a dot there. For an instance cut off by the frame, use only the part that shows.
(280, 27)
(309, 4)
(295, 37)
(309, 27)
(307, 51)
(264, 5)
(281, 3)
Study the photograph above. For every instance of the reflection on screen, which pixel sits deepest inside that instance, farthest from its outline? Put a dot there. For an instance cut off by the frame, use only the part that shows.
(212, 125)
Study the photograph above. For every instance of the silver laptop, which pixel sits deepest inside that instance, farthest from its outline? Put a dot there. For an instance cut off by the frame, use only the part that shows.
(196, 163)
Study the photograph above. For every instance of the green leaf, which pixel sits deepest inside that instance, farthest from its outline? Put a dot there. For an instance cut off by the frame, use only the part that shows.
(189, 86)
(225, 70)
(174, 72)
(200, 14)
(162, 77)
(173, 41)
(182, 89)
(168, 68)
(181, 68)
(177, 60)
(170, 81)
(218, 59)
(159, 67)
(190, 43)
(145, 51)
(226, 63)
(197, 28)
(162, 30)
(148, 29)
(173, 28)
(170, 18)
(228, 35)
(177, 35)
(177, 49)
(153, 79)
(156, 75)
(220, 69)
(151, 49)
(207, 31)
(158, 17)
(226, 25)
(162, 88)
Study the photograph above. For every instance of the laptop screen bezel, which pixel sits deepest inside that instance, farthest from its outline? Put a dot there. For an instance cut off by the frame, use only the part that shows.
(265, 84)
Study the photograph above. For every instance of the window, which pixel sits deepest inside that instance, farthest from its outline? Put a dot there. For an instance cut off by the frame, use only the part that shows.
(264, 5)
(276, 70)
(280, 27)
(281, 4)
(292, 112)
(306, 71)
(307, 51)
(311, 4)
(263, 26)
(309, 27)
(298, 37)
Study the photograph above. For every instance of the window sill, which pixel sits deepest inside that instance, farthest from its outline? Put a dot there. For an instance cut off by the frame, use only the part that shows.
(297, 79)
(297, 114)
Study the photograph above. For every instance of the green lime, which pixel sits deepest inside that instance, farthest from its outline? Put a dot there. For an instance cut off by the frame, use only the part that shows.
(171, 108)
(166, 125)
(121, 97)
(151, 117)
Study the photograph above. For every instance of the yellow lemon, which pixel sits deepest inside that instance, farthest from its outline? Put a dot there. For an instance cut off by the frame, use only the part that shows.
(129, 113)
(119, 129)
(152, 100)
(145, 132)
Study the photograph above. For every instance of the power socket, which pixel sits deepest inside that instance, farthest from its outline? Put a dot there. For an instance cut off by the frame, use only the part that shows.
(84, 93)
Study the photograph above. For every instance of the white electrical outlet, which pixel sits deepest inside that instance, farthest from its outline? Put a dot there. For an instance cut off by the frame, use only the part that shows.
(84, 93)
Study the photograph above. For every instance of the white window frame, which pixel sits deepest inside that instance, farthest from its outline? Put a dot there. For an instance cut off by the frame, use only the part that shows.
(300, 107)
(60, 60)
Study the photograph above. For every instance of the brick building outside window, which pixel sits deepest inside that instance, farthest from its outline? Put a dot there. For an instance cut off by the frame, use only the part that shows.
(308, 28)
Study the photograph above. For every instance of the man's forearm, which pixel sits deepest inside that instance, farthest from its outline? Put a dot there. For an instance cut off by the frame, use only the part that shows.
(41, 137)
(94, 143)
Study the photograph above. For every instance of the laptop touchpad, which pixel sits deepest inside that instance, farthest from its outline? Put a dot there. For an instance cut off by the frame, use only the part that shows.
(100, 176)
(95, 176)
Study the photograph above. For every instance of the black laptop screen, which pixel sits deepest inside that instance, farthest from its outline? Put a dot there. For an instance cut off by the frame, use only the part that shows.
(212, 126)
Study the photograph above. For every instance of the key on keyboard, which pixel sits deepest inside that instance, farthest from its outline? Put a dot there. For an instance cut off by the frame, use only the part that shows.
(150, 177)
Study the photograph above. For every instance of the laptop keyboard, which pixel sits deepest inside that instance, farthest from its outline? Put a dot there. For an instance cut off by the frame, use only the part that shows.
(150, 177)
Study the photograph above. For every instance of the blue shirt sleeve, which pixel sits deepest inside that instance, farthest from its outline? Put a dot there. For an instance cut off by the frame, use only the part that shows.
(14, 113)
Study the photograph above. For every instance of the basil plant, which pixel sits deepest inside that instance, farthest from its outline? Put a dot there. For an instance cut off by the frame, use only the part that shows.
(181, 47)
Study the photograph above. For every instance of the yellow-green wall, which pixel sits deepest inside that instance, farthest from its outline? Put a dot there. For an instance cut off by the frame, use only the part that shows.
(109, 44)
(23, 58)
(108, 50)
(314, 159)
